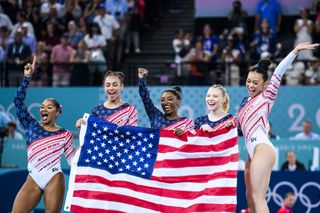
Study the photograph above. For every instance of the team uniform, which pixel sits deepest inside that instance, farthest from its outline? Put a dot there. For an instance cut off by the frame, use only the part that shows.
(157, 118)
(123, 115)
(253, 113)
(44, 148)
(215, 125)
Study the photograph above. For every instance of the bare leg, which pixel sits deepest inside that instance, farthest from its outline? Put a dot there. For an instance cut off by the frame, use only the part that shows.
(260, 171)
(28, 196)
(53, 194)
(248, 185)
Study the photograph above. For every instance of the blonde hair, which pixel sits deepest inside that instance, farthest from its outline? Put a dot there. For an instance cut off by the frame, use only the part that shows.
(225, 105)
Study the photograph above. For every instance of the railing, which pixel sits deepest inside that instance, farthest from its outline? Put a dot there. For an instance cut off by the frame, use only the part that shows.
(161, 73)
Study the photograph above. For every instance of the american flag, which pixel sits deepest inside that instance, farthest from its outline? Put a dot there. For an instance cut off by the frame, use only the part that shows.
(136, 169)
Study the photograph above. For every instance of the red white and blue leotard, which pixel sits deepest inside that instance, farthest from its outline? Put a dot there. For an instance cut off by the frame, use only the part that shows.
(44, 148)
(124, 115)
(157, 118)
(253, 115)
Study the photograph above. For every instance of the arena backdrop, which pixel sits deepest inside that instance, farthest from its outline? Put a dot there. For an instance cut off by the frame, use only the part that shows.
(293, 105)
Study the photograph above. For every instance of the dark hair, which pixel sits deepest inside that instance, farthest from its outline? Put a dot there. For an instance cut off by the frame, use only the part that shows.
(261, 68)
(120, 75)
(12, 124)
(288, 194)
(56, 104)
(176, 91)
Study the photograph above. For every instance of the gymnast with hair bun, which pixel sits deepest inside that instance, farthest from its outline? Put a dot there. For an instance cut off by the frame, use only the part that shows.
(170, 100)
(46, 142)
(253, 120)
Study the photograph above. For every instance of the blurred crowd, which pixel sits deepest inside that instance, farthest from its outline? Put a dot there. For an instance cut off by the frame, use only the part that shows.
(74, 40)
(236, 48)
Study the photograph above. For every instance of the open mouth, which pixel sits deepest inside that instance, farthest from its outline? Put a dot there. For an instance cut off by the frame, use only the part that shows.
(167, 108)
(44, 116)
(252, 92)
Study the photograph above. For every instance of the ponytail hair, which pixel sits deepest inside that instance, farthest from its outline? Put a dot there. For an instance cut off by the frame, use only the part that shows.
(176, 91)
(262, 67)
(56, 104)
(226, 104)
(120, 75)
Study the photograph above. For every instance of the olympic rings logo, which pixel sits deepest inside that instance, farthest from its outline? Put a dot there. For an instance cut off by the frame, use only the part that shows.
(303, 198)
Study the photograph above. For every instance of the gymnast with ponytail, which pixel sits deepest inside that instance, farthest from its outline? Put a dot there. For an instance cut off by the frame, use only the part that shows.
(217, 101)
(253, 120)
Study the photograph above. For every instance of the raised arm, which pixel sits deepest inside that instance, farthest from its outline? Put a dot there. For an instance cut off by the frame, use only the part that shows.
(144, 93)
(273, 86)
(23, 114)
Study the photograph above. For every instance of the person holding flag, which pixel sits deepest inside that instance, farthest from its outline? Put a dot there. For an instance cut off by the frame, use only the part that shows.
(46, 142)
(114, 109)
(217, 101)
(170, 101)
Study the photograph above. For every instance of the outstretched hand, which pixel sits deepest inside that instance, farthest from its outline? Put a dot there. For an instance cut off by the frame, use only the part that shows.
(142, 73)
(305, 46)
(29, 68)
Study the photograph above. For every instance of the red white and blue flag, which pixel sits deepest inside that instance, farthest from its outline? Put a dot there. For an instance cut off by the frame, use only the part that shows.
(136, 169)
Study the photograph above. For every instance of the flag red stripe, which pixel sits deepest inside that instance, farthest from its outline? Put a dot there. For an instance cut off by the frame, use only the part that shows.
(75, 208)
(197, 178)
(106, 196)
(196, 162)
(197, 148)
(224, 191)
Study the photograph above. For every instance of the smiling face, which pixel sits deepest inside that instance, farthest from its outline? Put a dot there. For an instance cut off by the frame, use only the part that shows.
(255, 84)
(113, 87)
(48, 112)
(169, 103)
(215, 99)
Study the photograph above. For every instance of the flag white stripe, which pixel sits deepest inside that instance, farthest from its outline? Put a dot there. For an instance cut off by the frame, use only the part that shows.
(110, 205)
(157, 199)
(187, 171)
(181, 186)
(186, 155)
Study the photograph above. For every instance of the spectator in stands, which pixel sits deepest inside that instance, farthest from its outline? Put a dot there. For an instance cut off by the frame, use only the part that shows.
(4, 119)
(51, 37)
(312, 74)
(21, 20)
(60, 57)
(5, 38)
(83, 25)
(40, 76)
(307, 133)
(119, 9)
(96, 43)
(316, 7)
(237, 17)
(108, 26)
(288, 203)
(28, 39)
(181, 46)
(303, 28)
(135, 22)
(71, 10)
(197, 57)
(74, 35)
(5, 21)
(292, 164)
(231, 57)
(210, 42)
(56, 20)
(272, 135)
(18, 54)
(13, 132)
(47, 7)
(32, 11)
(90, 10)
(265, 41)
(80, 72)
(295, 75)
(269, 10)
